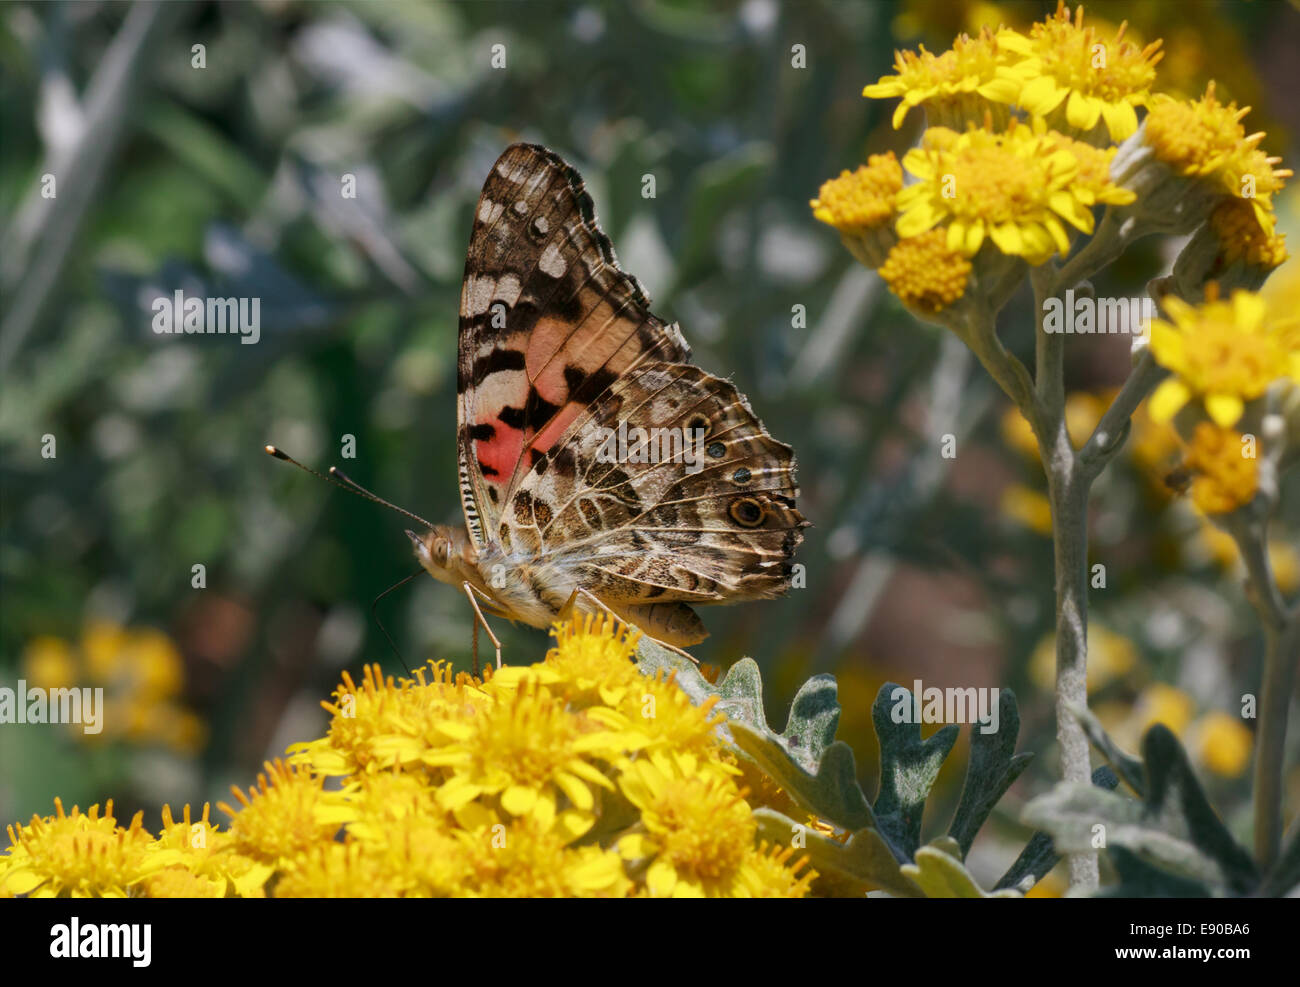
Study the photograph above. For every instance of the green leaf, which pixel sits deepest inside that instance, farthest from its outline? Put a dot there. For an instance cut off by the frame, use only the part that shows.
(994, 766)
(1039, 855)
(814, 716)
(831, 792)
(1177, 796)
(1138, 879)
(908, 768)
(941, 875)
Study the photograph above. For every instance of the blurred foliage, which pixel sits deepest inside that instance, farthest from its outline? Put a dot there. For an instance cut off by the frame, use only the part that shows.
(225, 180)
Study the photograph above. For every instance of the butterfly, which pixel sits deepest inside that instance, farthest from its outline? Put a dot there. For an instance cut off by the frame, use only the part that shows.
(558, 353)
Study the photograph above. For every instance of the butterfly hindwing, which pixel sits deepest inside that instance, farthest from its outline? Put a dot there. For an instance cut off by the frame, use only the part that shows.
(548, 321)
(656, 527)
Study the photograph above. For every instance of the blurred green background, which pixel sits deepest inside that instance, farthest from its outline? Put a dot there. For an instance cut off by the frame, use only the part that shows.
(224, 180)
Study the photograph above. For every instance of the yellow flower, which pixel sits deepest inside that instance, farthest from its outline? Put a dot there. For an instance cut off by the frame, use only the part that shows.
(104, 645)
(1252, 174)
(1092, 182)
(529, 752)
(668, 718)
(1028, 506)
(769, 873)
(1226, 477)
(337, 870)
(1015, 187)
(1195, 137)
(1241, 236)
(1160, 703)
(285, 815)
(576, 776)
(1094, 77)
(383, 722)
(863, 199)
(78, 856)
(525, 861)
(1222, 743)
(698, 829)
(925, 273)
(1111, 656)
(1223, 352)
(1205, 139)
(49, 663)
(593, 661)
(207, 864)
(953, 80)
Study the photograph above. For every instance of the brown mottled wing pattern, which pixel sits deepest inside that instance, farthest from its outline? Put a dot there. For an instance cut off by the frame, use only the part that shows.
(547, 323)
(637, 534)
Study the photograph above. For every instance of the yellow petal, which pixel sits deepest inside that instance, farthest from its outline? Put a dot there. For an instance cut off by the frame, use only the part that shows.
(518, 800)
(917, 220)
(579, 794)
(1008, 239)
(1042, 95)
(1014, 41)
(1249, 310)
(1168, 399)
(1121, 119)
(661, 878)
(1167, 345)
(1000, 90)
(1082, 111)
(1225, 409)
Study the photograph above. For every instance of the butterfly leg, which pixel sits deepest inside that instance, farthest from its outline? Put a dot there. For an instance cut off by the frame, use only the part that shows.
(609, 610)
(470, 590)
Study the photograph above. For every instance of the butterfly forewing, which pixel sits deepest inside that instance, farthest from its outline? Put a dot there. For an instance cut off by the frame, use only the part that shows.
(547, 322)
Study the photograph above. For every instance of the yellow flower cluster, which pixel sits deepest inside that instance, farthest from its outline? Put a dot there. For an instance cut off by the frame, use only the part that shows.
(576, 776)
(860, 200)
(142, 675)
(1226, 471)
(1023, 134)
(1205, 139)
(1067, 65)
(1241, 237)
(972, 67)
(925, 273)
(1018, 187)
(1223, 353)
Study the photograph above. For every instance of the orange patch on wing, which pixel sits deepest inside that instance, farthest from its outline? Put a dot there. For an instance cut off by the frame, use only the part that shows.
(499, 454)
(548, 436)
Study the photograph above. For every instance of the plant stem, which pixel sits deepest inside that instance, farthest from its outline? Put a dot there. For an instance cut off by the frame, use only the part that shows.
(1068, 487)
(1281, 652)
(1281, 649)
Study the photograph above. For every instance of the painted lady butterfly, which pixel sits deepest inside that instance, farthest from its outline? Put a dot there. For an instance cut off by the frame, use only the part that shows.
(558, 352)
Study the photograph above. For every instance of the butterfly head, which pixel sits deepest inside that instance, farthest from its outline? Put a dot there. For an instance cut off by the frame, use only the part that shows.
(445, 552)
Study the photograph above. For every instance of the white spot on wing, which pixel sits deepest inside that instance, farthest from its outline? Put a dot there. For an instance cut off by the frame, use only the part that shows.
(508, 289)
(477, 295)
(552, 262)
(489, 212)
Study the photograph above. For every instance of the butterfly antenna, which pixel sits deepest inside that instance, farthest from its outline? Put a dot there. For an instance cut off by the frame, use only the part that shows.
(344, 482)
(374, 615)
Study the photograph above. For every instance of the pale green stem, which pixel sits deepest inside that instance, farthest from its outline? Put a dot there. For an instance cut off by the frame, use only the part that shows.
(1281, 650)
